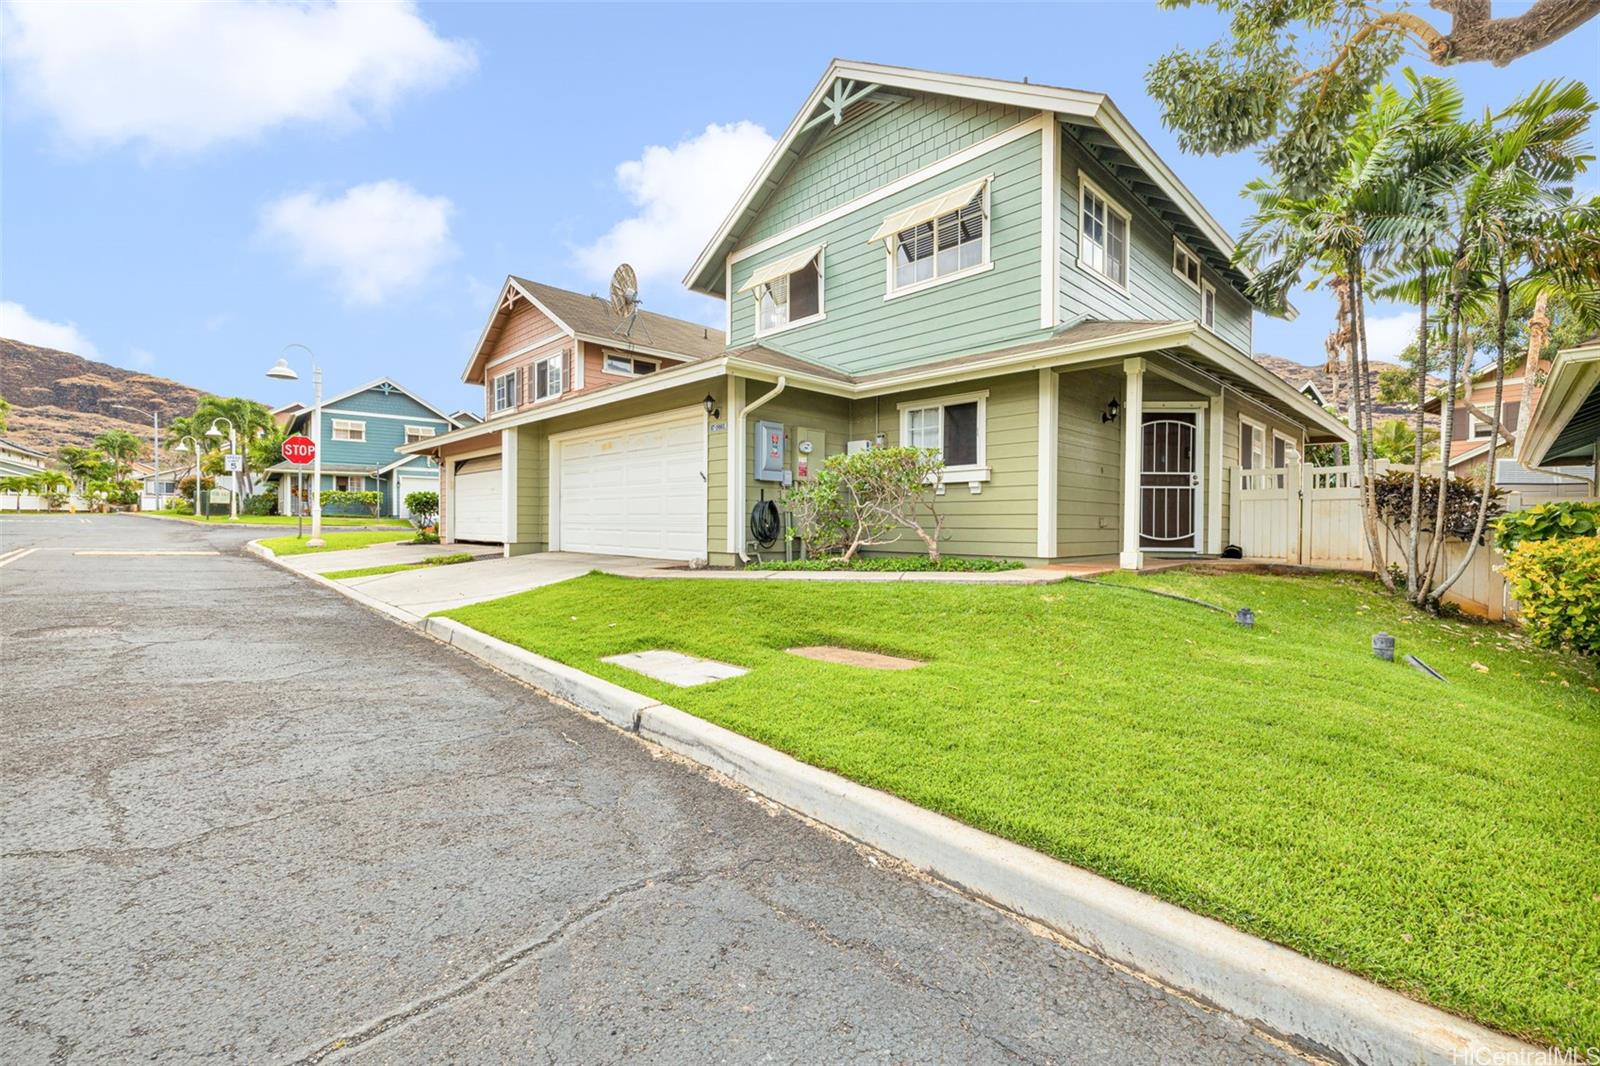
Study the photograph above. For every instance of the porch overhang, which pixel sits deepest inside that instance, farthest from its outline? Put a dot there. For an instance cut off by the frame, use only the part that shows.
(1565, 423)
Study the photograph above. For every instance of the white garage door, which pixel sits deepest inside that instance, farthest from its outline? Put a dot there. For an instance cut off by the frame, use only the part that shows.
(405, 486)
(635, 489)
(477, 511)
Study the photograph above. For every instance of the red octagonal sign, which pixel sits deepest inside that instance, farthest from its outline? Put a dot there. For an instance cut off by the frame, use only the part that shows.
(299, 450)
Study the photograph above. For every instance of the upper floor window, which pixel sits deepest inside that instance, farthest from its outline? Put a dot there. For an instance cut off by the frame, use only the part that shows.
(346, 429)
(416, 433)
(1481, 429)
(1185, 264)
(1102, 234)
(619, 363)
(953, 426)
(937, 239)
(1208, 306)
(788, 291)
(547, 376)
(505, 390)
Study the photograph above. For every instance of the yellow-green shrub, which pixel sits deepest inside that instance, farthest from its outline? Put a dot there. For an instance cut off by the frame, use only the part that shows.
(1557, 585)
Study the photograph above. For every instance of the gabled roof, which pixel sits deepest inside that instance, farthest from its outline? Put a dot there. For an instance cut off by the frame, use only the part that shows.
(12, 446)
(1096, 122)
(465, 417)
(588, 317)
(359, 389)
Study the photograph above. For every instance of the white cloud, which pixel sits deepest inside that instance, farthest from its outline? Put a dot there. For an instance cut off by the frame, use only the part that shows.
(18, 325)
(1388, 335)
(141, 358)
(682, 194)
(183, 76)
(374, 239)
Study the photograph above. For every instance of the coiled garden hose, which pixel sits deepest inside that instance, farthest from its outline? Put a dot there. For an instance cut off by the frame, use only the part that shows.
(766, 525)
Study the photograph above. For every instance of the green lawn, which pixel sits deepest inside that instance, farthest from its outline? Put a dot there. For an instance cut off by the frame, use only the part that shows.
(287, 520)
(1439, 838)
(334, 541)
(395, 568)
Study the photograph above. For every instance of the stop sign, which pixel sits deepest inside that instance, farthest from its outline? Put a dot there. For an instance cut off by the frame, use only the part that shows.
(299, 450)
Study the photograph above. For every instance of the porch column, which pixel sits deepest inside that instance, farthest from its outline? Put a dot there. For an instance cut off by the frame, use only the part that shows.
(1049, 432)
(1132, 460)
(1214, 477)
(508, 485)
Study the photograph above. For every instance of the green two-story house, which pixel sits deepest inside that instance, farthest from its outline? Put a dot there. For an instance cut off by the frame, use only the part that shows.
(1001, 271)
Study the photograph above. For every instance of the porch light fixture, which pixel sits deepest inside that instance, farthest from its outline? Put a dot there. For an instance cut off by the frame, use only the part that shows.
(1112, 410)
(711, 406)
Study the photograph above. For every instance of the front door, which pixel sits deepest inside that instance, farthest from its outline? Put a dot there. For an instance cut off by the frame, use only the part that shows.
(1169, 482)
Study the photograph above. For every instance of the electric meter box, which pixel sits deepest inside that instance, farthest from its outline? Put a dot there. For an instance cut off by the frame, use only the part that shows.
(770, 448)
(810, 449)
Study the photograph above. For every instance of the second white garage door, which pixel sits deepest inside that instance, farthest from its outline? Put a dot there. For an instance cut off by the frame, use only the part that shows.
(633, 488)
(476, 502)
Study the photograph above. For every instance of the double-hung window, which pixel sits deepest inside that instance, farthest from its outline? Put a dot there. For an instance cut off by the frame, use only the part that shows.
(788, 291)
(505, 390)
(953, 426)
(349, 483)
(418, 433)
(1102, 235)
(938, 239)
(620, 363)
(1185, 264)
(1208, 306)
(547, 376)
(348, 429)
(1481, 429)
(1252, 448)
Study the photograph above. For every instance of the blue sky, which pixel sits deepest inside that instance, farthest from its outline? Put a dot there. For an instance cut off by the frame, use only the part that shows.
(186, 190)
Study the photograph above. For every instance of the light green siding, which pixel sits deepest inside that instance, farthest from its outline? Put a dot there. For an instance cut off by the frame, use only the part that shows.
(717, 475)
(1154, 291)
(1001, 521)
(869, 152)
(863, 332)
(1089, 466)
(796, 409)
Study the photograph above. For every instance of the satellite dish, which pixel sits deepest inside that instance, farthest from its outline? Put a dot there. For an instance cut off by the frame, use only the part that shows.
(625, 297)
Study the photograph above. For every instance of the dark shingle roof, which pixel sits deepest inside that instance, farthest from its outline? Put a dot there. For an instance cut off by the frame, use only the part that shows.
(592, 315)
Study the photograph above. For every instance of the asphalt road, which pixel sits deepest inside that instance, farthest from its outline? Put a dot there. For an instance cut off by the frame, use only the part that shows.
(246, 820)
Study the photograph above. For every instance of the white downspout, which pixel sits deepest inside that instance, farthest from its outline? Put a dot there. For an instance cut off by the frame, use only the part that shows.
(740, 421)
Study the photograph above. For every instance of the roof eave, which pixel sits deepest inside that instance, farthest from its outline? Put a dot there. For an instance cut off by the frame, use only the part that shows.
(1574, 374)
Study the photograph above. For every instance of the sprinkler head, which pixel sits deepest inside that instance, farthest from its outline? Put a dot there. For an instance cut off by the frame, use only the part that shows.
(1383, 647)
(1245, 617)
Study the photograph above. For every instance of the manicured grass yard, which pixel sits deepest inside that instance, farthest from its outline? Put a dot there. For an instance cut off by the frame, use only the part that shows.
(1443, 839)
(287, 520)
(335, 541)
(395, 568)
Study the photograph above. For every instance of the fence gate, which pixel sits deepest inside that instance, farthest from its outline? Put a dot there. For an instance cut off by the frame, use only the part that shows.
(1266, 514)
(1301, 515)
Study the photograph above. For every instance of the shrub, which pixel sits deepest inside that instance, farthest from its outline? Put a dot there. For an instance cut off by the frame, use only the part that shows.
(180, 506)
(424, 537)
(337, 500)
(1557, 585)
(262, 503)
(895, 564)
(1547, 521)
(1393, 492)
(186, 488)
(868, 498)
(423, 508)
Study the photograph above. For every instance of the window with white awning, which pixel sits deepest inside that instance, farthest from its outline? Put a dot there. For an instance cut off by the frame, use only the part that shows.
(937, 238)
(788, 290)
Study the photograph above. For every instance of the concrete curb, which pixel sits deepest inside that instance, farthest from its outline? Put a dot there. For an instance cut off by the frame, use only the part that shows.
(1312, 1005)
(255, 547)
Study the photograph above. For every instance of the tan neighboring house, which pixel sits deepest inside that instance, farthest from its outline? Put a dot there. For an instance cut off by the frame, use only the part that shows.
(546, 349)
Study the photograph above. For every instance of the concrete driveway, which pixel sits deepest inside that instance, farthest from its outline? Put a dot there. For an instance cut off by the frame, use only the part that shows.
(421, 592)
(379, 555)
(245, 820)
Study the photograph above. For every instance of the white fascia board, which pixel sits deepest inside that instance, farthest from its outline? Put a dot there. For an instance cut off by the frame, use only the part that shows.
(1225, 354)
(1572, 376)
(483, 335)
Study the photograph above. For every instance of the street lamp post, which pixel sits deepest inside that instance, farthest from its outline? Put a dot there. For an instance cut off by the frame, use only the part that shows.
(282, 372)
(233, 449)
(155, 443)
(183, 446)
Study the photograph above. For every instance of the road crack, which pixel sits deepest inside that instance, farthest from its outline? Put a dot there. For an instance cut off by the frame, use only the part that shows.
(501, 966)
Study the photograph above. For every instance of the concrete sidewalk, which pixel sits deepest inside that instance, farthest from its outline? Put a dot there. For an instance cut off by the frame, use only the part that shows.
(421, 592)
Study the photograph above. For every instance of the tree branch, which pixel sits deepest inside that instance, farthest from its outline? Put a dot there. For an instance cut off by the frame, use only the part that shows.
(1476, 36)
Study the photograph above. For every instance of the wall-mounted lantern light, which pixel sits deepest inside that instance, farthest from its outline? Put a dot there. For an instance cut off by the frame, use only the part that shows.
(711, 406)
(1112, 410)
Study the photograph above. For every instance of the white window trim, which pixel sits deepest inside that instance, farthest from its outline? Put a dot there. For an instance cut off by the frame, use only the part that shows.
(606, 357)
(1207, 287)
(540, 373)
(822, 305)
(978, 471)
(983, 266)
(1259, 434)
(1290, 444)
(495, 407)
(1179, 246)
(1473, 422)
(422, 432)
(348, 424)
(1086, 183)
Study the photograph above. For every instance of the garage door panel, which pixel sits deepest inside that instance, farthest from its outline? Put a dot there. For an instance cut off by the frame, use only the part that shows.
(635, 490)
(478, 511)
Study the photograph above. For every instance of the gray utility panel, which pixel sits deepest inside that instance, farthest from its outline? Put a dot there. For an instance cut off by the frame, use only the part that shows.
(770, 447)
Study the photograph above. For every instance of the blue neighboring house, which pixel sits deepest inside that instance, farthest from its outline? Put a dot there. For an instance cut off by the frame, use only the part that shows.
(361, 429)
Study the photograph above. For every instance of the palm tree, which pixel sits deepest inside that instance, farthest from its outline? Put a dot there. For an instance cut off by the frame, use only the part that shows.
(121, 447)
(85, 464)
(53, 485)
(19, 484)
(249, 419)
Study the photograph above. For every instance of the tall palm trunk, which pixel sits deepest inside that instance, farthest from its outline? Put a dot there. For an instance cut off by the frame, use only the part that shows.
(1413, 576)
(1502, 313)
(1362, 401)
(1446, 435)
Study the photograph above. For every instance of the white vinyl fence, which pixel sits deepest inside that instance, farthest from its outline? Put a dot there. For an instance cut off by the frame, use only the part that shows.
(1300, 515)
(10, 501)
